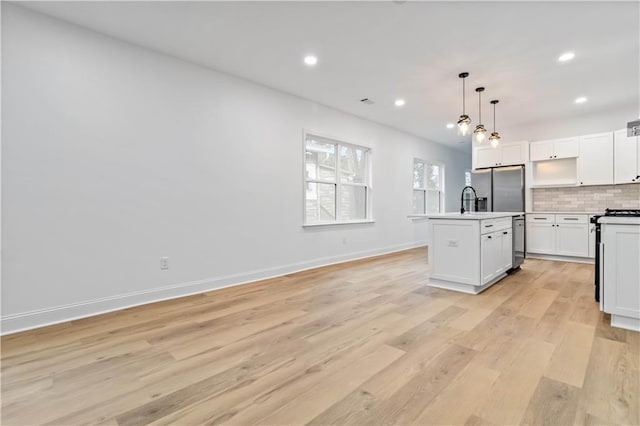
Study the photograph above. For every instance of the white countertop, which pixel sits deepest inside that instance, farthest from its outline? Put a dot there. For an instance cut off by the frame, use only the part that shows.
(549, 212)
(620, 220)
(467, 216)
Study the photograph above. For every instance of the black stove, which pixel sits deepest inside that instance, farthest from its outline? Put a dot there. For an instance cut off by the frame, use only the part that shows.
(594, 220)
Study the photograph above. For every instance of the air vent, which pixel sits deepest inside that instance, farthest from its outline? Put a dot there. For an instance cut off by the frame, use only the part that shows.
(367, 101)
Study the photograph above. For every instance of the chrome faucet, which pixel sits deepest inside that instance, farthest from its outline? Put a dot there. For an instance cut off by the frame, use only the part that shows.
(475, 199)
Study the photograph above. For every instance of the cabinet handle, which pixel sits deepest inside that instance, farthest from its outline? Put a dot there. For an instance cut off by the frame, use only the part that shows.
(539, 218)
(569, 218)
(581, 183)
(489, 236)
(488, 226)
(505, 232)
(555, 156)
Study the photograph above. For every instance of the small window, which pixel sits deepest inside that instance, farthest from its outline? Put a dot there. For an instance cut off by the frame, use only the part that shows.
(337, 182)
(428, 187)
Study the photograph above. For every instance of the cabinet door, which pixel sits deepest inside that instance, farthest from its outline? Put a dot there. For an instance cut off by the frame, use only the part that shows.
(488, 156)
(621, 271)
(572, 239)
(626, 157)
(506, 256)
(513, 154)
(595, 164)
(541, 150)
(566, 148)
(487, 254)
(541, 237)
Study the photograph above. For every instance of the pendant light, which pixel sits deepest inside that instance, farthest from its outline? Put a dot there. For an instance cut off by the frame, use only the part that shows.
(480, 133)
(495, 136)
(464, 121)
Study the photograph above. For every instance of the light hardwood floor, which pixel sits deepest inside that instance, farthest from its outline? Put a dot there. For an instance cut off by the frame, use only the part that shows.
(365, 342)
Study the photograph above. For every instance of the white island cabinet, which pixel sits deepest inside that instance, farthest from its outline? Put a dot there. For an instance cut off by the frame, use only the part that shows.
(470, 252)
(620, 270)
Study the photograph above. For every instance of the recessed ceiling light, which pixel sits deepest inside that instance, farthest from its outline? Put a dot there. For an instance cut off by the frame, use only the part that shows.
(310, 60)
(581, 100)
(399, 102)
(450, 125)
(567, 56)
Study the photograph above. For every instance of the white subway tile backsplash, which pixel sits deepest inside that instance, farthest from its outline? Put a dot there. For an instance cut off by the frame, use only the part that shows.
(587, 198)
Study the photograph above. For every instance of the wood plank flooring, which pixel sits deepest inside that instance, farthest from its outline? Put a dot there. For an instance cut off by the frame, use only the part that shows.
(365, 342)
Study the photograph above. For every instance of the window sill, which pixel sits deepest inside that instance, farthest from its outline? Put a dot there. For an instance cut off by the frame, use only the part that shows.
(351, 222)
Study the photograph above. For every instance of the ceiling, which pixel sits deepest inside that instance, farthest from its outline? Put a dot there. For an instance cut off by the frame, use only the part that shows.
(410, 50)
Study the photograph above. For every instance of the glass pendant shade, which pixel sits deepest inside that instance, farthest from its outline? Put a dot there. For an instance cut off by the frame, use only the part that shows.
(480, 133)
(494, 139)
(464, 123)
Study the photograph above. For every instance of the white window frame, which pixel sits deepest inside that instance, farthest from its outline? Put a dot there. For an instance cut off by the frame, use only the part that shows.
(338, 142)
(424, 188)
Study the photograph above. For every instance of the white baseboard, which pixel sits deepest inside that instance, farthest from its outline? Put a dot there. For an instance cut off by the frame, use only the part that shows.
(23, 321)
(557, 258)
(627, 323)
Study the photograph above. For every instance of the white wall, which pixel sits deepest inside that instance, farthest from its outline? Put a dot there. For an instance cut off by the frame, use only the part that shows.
(114, 156)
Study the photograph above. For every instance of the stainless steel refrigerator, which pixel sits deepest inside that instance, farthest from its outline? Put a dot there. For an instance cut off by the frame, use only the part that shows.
(499, 189)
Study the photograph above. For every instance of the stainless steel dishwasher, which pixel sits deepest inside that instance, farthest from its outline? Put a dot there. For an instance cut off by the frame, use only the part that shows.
(518, 241)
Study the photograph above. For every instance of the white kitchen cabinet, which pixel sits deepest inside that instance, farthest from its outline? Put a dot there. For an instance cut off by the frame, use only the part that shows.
(488, 157)
(507, 250)
(572, 239)
(541, 150)
(489, 251)
(626, 157)
(496, 253)
(540, 233)
(554, 149)
(505, 154)
(595, 163)
(621, 274)
(558, 235)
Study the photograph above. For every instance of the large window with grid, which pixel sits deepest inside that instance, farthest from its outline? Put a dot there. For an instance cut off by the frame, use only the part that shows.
(428, 187)
(337, 181)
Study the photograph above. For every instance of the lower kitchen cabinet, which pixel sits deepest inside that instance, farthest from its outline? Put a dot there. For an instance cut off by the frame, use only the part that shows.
(541, 235)
(559, 235)
(496, 252)
(572, 239)
(620, 279)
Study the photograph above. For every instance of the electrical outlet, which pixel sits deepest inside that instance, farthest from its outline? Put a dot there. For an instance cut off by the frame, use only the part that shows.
(164, 263)
(453, 243)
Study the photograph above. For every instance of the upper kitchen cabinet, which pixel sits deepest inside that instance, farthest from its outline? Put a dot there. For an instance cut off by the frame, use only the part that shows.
(554, 149)
(595, 163)
(505, 154)
(626, 157)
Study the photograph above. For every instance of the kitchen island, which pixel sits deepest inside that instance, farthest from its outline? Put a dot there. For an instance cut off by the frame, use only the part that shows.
(472, 251)
(620, 270)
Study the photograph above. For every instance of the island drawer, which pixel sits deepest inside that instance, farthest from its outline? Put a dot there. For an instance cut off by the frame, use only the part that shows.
(493, 225)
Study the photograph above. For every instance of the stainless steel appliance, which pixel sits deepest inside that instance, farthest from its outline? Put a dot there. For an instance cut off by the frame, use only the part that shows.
(500, 189)
(518, 241)
(599, 260)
